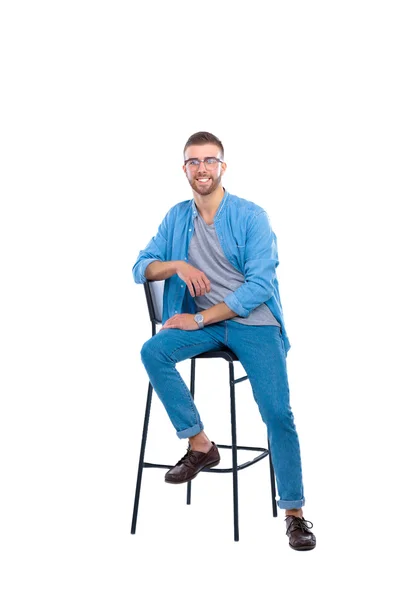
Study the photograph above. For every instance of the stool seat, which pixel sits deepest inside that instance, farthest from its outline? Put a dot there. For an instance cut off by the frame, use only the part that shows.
(224, 352)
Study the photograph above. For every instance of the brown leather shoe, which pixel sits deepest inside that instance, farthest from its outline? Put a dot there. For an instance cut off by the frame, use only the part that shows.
(300, 536)
(192, 463)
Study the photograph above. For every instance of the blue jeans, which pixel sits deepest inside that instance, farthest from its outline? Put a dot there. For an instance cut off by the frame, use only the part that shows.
(261, 351)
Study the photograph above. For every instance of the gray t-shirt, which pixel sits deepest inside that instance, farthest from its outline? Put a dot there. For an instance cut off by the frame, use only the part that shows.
(206, 254)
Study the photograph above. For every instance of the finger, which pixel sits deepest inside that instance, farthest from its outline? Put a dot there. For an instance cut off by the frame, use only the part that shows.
(168, 321)
(207, 284)
(203, 287)
(191, 288)
(197, 287)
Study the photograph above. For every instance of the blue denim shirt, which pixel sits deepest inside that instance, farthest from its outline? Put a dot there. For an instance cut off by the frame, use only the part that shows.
(248, 242)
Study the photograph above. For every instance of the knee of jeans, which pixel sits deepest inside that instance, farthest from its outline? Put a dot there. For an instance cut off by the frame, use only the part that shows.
(147, 351)
(284, 420)
(280, 416)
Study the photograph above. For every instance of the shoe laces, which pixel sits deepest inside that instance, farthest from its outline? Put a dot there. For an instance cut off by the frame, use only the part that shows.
(299, 523)
(188, 458)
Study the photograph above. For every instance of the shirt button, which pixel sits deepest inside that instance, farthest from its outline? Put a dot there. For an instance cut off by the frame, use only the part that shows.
(181, 285)
(176, 311)
(190, 229)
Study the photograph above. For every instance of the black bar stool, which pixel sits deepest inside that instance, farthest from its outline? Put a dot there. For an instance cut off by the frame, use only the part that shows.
(154, 297)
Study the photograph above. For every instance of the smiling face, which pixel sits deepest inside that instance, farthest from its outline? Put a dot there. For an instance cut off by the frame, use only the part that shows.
(204, 179)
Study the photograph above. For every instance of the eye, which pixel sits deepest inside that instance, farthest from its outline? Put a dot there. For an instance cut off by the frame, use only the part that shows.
(193, 163)
(211, 161)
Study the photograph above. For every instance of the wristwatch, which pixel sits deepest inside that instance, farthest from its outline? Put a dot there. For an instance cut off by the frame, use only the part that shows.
(199, 320)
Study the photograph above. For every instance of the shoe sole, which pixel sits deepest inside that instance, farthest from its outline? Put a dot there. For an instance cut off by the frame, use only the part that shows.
(214, 464)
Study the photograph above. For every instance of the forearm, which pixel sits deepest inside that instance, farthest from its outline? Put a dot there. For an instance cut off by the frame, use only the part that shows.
(218, 312)
(249, 296)
(158, 270)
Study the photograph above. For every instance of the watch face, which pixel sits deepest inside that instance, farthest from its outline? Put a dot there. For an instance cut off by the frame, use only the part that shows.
(198, 318)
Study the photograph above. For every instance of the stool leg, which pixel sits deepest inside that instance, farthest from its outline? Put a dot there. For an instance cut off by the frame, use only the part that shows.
(192, 382)
(273, 489)
(141, 459)
(234, 454)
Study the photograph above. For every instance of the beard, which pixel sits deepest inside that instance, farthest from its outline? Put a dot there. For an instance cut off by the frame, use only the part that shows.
(205, 189)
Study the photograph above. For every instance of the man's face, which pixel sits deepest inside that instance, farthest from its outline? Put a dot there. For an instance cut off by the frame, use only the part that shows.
(204, 179)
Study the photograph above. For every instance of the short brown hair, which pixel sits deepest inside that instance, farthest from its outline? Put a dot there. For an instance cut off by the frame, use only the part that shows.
(203, 137)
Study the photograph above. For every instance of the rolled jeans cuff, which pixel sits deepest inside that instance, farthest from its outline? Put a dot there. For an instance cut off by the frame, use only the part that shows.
(190, 432)
(291, 504)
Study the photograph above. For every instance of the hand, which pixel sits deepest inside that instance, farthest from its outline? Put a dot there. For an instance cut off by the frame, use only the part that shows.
(183, 321)
(197, 282)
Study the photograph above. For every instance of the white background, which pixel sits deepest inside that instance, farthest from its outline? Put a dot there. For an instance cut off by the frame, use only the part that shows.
(97, 101)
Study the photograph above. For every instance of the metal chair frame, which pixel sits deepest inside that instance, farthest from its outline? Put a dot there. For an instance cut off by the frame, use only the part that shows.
(228, 355)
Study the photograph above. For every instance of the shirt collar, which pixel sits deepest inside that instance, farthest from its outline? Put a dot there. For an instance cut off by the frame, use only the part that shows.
(220, 207)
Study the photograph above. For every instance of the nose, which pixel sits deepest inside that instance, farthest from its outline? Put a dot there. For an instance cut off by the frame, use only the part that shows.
(201, 169)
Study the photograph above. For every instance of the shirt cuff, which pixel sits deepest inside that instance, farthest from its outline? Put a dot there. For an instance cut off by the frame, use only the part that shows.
(233, 303)
(139, 271)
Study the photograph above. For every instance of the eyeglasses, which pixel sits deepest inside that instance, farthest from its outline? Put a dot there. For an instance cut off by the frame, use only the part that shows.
(210, 163)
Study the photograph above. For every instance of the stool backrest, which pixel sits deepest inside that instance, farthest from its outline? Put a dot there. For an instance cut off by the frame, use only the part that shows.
(154, 291)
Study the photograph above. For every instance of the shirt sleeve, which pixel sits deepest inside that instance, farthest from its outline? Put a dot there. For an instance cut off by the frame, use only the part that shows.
(156, 249)
(260, 262)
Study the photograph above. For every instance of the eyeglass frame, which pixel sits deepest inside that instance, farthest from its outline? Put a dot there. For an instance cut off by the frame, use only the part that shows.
(202, 161)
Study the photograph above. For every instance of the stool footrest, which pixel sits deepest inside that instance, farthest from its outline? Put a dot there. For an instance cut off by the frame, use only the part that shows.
(264, 453)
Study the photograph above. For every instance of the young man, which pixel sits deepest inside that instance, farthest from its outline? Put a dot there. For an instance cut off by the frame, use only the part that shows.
(217, 254)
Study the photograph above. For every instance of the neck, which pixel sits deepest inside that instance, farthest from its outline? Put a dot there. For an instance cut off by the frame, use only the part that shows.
(208, 205)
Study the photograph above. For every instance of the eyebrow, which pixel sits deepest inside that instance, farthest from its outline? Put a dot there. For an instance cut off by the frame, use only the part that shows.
(197, 158)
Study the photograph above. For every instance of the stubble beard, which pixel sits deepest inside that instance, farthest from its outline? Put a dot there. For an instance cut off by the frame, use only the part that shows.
(210, 187)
